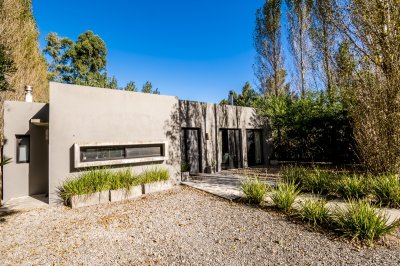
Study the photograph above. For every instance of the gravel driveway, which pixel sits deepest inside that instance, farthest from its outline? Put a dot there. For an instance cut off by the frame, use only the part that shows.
(180, 227)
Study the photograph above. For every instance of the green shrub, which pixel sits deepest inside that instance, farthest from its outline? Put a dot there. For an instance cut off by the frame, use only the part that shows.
(88, 182)
(254, 190)
(123, 179)
(360, 220)
(314, 211)
(352, 187)
(294, 174)
(101, 179)
(318, 181)
(152, 175)
(284, 195)
(387, 190)
(185, 166)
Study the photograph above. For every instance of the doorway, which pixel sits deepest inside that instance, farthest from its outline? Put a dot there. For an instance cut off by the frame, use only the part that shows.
(190, 148)
(254, 147)
(231, 152)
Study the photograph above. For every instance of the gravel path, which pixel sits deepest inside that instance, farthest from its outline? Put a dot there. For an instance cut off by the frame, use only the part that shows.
(180, 227)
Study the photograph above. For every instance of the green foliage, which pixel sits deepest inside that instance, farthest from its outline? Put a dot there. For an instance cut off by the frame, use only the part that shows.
(88, 56)
(314, 211)
(56, 48)
(185, 166)
(309, 128)
(123, 179)
(246, 98)
(153, 175)
(318, 181)
(130, 86)
(7, 68)
(4, 161)
(294, 174)
(360, 220)
(254, 190)
(386, 189)
(284, 196)
(352, 187)
(102, 179)
(148, 88)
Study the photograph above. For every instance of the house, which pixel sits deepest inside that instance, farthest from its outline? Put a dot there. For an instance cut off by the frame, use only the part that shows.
(84, 127)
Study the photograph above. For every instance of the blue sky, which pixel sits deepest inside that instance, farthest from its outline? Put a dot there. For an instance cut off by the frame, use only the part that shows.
(196, 50)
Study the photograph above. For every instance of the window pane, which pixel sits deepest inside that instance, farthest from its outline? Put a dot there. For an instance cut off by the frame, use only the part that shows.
(143, 151)
(23, 149)
(105, 153)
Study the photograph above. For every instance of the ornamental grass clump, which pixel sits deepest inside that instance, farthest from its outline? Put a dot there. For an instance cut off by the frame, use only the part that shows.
(88, 182)
(123, 179)
(314, 211)
(318, 181)
(386, 189)
(294, 174)
(360, 220)
(284, 195)
(352, 187)
(152, 175)
(254, 190)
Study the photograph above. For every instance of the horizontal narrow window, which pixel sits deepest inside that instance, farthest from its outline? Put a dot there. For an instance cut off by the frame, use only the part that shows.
(106, 153)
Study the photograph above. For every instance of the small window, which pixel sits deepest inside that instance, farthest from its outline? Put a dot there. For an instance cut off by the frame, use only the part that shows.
(23, 147)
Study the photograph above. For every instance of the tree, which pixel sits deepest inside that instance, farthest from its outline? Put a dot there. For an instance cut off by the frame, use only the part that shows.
(246, 98)
(323, 35)
(82, 62)
(148, 88)
(130, 86)
(7, 68)
(299, 28)
(267, 42)
(88, 60)
(113, 84)
(345, 66)
(372, 28)
(59, 68)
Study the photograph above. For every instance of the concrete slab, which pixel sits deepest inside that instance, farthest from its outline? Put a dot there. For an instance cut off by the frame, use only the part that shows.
(25, 203)
(224, 186)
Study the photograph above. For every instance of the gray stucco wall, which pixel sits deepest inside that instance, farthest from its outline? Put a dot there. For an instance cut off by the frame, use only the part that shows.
(80, 114)
(211, 118)
(23, 179)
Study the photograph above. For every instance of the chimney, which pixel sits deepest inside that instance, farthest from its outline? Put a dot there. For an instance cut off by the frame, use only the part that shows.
(28, 94)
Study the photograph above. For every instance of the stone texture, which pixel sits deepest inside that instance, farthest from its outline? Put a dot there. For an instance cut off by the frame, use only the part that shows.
(104, 197)
(124, 194)
(157, 186)
(85, 200)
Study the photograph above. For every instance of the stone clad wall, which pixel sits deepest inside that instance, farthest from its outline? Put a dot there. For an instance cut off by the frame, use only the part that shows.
(210, 118)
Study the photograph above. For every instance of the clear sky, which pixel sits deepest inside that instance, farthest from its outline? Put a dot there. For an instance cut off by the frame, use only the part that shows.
(197, 50)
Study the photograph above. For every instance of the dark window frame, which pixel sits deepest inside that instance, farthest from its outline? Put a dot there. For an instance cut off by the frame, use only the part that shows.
(19, 139)
(123, 149)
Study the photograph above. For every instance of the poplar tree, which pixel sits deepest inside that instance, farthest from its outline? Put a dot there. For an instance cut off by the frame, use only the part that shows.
(267, 42)
(299, 18)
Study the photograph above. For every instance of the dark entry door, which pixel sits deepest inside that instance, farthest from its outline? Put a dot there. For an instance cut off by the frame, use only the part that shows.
(230, 148)
(190, 148)
(254, 147)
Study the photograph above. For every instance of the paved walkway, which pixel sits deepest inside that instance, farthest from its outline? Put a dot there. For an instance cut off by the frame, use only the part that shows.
(228, 187)
(24, 204)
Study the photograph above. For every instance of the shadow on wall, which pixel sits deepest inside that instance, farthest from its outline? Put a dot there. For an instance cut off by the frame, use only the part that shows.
(258, 121)
(172, 129)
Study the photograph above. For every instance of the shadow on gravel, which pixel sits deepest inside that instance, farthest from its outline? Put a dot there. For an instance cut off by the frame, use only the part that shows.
(4, 213)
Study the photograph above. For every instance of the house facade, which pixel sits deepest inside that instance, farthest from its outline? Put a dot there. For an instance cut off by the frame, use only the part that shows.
(85, 127)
